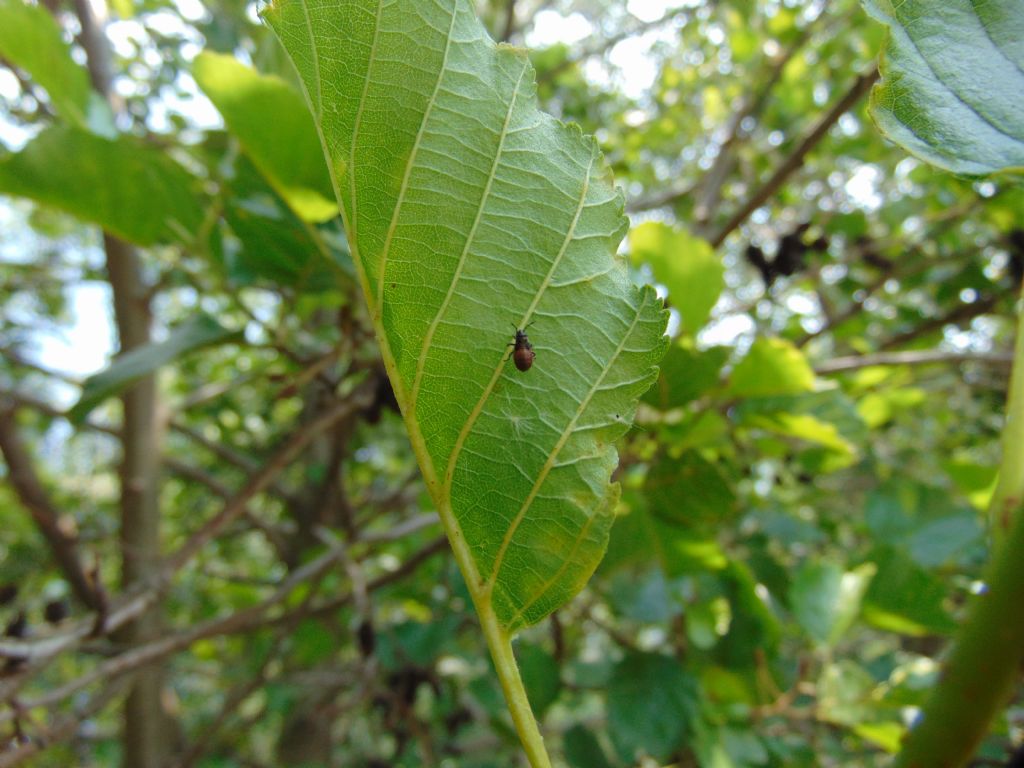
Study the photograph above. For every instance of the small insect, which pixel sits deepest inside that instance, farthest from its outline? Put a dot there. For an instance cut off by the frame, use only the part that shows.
(523, 353)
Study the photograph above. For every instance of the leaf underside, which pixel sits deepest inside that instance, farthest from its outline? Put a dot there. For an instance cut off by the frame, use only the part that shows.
(952, 91)
(471, 213)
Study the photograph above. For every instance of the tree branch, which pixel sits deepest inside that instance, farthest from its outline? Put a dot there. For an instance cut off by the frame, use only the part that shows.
(33, 496)
(265, 477)
(796, 158)
(915, 357)
(135, 603)
(710, 184)
(248, 619)
(958, 314)
(145, 738)
(509, 27)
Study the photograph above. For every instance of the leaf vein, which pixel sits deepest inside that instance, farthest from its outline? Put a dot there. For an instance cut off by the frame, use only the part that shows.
(411, 163)
(553, 456)
(316, 61)
(470, 239)
(359, 120)
(485, 395)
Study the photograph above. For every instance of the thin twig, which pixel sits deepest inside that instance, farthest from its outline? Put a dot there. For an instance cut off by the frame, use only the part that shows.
(915, 357)
(35, 499)
(261, 480)
(796, 157)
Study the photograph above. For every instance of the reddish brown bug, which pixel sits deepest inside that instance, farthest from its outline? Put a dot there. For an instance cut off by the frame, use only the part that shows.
(523, 353)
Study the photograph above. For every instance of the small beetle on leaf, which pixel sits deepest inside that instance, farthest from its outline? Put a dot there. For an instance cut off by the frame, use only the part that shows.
(523, 353)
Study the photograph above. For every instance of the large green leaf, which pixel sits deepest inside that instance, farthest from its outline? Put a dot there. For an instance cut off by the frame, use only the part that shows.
(952, 91)
(30, 38)
(274, 244)
(686, 265)
(470, 212)
(771, 367)
(285, 149)
(826, 600)
(690, 491)
(201, 331)
(652, 706)
(133, 191)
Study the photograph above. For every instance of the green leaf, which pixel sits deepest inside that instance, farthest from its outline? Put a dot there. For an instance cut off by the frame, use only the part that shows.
(845, 694)
(953, 75)
(639, 536)
(825, 600)
(690, 491)
(582, 749)
(686, 374)
(197, 333)
(925, 522)
(31, 39)
(826, 417)
(468, 212)
(754, 628)
(286, 148)
(975, 481)
(889, 736)
(652, 704)
(541, 675)
(642, 596)
(744, 747)
(133, 191)
(415, 642)
(905, 598)
(946, 540)
(686, 265)
(274, 244)
(771, 367)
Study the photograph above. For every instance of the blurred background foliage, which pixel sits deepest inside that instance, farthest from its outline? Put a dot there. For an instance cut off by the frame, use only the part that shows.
(802, 511)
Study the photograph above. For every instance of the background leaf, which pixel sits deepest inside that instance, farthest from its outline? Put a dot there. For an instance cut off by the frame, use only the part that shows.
(541, 676)
(771, 367)
(953, 75)
(286, 148)
(826, 599)
(582, 749)
(201, 331)
(652, 704)
(133, 191)
(686, 265)
(31, 39)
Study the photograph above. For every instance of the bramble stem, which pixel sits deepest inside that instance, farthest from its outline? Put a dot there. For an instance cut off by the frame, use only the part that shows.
(980, 674)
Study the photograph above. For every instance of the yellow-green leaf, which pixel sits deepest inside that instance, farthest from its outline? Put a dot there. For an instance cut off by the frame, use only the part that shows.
(471, 213)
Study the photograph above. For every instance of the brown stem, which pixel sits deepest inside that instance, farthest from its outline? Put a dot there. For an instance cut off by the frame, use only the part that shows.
(146, 724)
(915, 357)
(959, 314)
(710, 185)
(796, 158)
(509, 27)
(33, 496)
